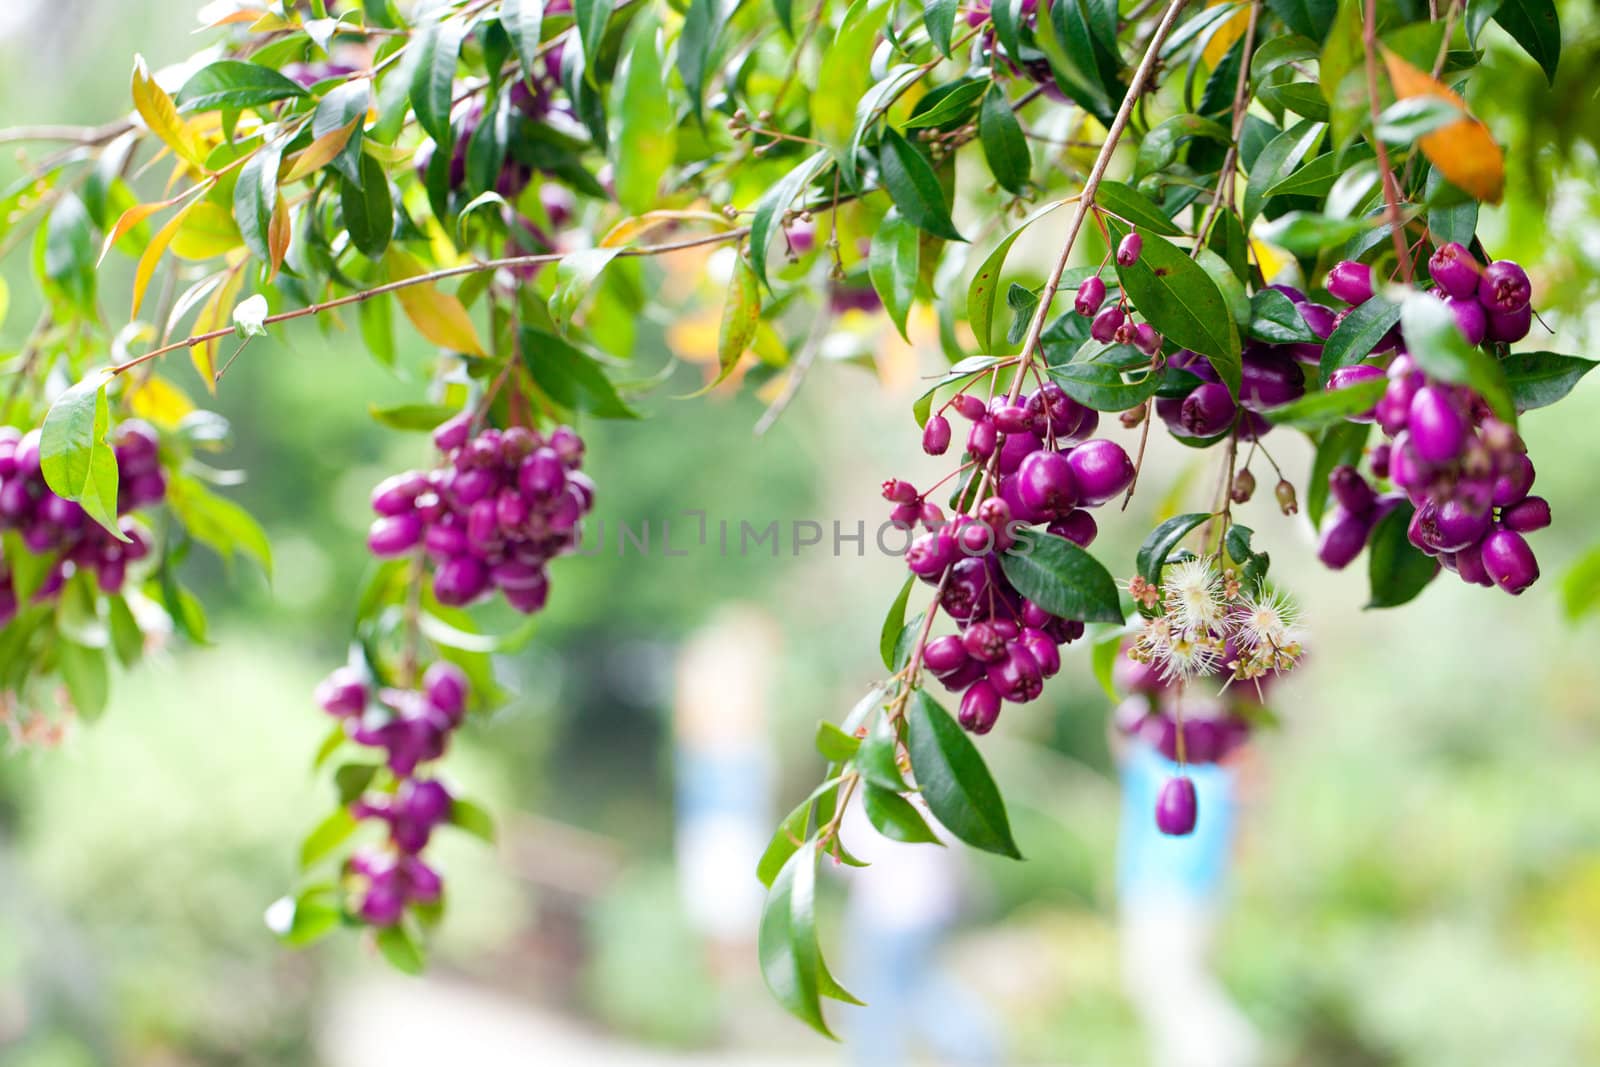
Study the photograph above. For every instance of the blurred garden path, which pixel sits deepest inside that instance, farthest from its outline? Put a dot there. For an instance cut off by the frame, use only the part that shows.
(395, 1022)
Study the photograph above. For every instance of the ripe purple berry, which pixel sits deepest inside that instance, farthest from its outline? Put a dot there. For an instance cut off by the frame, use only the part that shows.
(1454, 269)
(945, 654)
(394, 535)
(1350, 281)
(1101, 470)
(1528, 515)
(1177, 807)
(1504, 287)
(1207, 411)
(980, 707)
(1146, 339)
(453, 432)
(446, 687)
(982, 439)
(1091, 294)
(1508, 327)
(1128, 249)
(1438, 428)
(936, 435)
(1077, 526)
(1509, 561)
(1469, 316)
(1046, 483)
(1344, 535)
(1515, 479)
(1106, 323)
(1017, 677)
(342, 693)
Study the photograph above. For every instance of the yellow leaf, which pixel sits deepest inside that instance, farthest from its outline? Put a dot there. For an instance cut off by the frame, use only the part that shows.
(159, 401)
(1227, 34)
(319, 153)
(138, 213)
(152, 257)
(438, 316)
(628, 229)
(161, 115)
(217, 314)
(1463, 151)
(279, 230)
(233, 17)
(208, 232)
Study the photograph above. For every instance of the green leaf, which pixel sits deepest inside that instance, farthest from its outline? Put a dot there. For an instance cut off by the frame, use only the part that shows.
(235, 85)
(914, 187)
(1308, 18)
(954, 781)
(571, 377)
(438, 46)
(473, 818)
(894, 264)
(1452, 214)
(69, 252)
(255, 195)
(1280, 158)
(218, 523)
(401, 950)
(1302, 98)
(1354, 339)
(1306, 233)
(1178, 297)
(1102, 386)
(1319, 410)
(962, 372)
(1275, 319)
(126, 637)
(1539, 379)
(1580, 588)
(876, 758)
(304, 919)
(1103, 660)
(948, 104)
(1133, 207)
(1441, 350)
(575, 277)
(774, 204)
(791, 833)
(741, 316)
(1535, 26)
(1004, 145)
(939, 16)
(1061, 578)
(895, 817)
(77, 462)
(894, 622)
(421, 418)
(646, 138)
(846, 71)
(1341, 443)
(1321, 174)
(787, 942)
(367, 208)
(1160, 147)
(985, 284)
(1407, 121)
(88, 680)
(1397, 570)
(523, 21)
(591, 17)
(697, 46)
(1162, 540)
(329, 834)
(834, 744)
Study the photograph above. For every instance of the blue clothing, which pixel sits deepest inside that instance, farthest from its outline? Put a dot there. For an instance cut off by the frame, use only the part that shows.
(1149, 863)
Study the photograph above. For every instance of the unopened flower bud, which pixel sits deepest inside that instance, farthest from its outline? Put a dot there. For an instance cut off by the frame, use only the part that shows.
(1287, 502)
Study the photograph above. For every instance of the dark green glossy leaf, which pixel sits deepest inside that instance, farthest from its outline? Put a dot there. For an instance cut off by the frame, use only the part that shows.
(571, 377)
(1305, 233)
(1280, 158)
(1275, 319)
(914, 187)
(590, 17)
(367, 208)
(1134, 208)
(962, 372)
(947, 105)
(893, 623)
(1535, 26)
(1396, 569)
(893, 265)
(1538, 379)
(1004, 146)
(77, 462)
(524, 24)
(1339, 444)
(1302, 98)
(787, 942)
(876, 758)
(1318, 410)
(984, 288)
(954, 781)
(1061, 578)
(896, 818)
(1178, 298)
(697, 48)
(438, 45)
(255, 195)
(1354, 339)
(1103, 386)
(1162, 540)
(939, 16)
(235, 85)
(1308, 18)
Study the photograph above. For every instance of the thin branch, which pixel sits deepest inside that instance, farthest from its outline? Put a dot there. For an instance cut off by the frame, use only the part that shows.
(1391, 191)
(1241, 93)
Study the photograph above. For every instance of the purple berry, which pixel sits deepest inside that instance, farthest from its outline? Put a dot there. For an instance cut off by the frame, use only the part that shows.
(1016, 448)
(1091, 294)
(1017, 677)
(453, 432)
(394, 535)
(1528, 515)
(1101, 470)
(969, 407)
(1351, 490)
(1509, 561)
(936, 435)
(446, 687)
(1128, 249)
(1469, 316)
(982, 439)
(1268, 379)
(384, 902)
(1077, 526)
(1508, 327)
(1516, 478)
(1106, 323)
(1146, 339)
(1350, 281)
(1177, 807)
(1046, 483)
(1207, 411)
(460, 580)
(1454, 269)
(984, 642)
(1043, 650)
(342, 693)
(1344, 535)
(980, 707)
(1504, 287)
(1438, 428)
(931, 553)
(945, 654)
(1319, 317)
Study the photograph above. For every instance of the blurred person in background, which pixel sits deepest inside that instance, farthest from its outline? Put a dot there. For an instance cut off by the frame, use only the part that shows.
(724, 773)
(1172, 889)
(902, 908)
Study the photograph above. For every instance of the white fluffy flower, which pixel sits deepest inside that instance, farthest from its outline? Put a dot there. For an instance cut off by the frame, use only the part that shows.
(1194, 597)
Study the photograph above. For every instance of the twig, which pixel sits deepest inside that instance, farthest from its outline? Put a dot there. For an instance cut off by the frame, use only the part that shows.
(1391, 192)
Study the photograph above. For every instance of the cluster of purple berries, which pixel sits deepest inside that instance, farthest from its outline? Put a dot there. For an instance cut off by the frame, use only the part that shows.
(502, 505)
(1049, 472)
(412, 726)
(48, 523)
(1465, 472)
